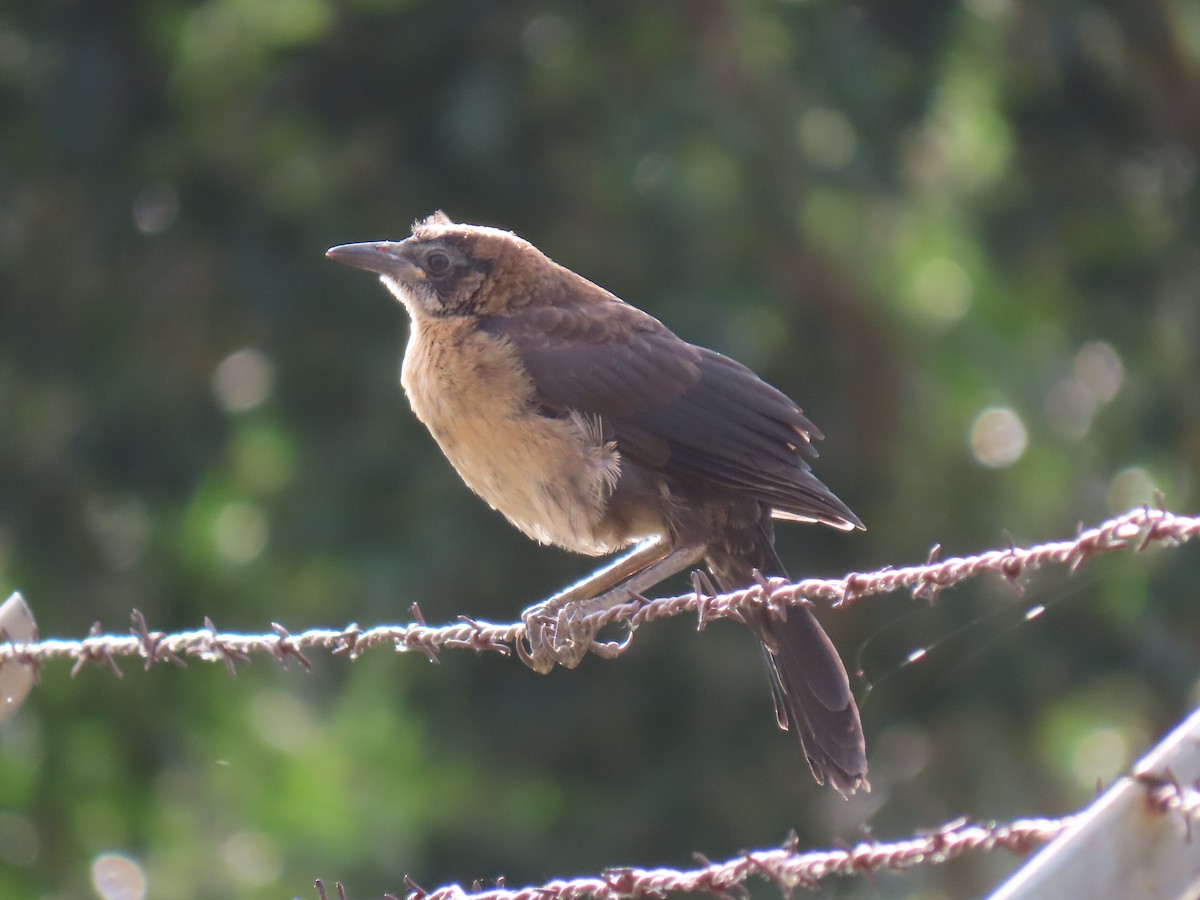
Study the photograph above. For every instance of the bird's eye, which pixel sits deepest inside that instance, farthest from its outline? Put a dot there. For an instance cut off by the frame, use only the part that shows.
(437, 263)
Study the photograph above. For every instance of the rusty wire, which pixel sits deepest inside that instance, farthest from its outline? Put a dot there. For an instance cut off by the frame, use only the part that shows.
(1137, 528)
(785, 866)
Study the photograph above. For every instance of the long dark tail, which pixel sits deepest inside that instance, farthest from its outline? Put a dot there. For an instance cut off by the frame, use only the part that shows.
(811, 690)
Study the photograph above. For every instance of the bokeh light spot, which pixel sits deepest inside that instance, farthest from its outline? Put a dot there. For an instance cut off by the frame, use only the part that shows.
(1131, 487)
(827, 138)
(252, 858)
(282, 721)
(1099, 371)
(155, 208)
(243, 380)
(1099, 756)
(240, 532)
(547, 40)
(117, 877)
(998, 437)
(941, 289)
(1096, 376)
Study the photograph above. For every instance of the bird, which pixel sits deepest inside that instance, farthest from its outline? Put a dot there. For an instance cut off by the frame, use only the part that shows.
(590, 425)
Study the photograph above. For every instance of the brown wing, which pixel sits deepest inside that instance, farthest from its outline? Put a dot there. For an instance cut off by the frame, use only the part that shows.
(669, 405)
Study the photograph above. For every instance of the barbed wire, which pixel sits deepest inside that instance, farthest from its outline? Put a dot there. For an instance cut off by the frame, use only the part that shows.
(1138, 528)
(784, 866)
(788, 868)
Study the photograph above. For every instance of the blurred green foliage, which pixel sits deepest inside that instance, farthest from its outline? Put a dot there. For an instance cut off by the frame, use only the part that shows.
(958, 233)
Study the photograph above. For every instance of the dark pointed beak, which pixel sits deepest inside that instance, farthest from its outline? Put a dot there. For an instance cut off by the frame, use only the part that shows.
(384, 257)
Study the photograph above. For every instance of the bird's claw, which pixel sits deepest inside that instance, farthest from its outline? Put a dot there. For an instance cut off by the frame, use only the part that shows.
(555, 638)
(534, 650)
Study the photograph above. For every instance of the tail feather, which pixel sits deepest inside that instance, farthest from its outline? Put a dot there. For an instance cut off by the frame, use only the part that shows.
(812, 697)
(808, 681)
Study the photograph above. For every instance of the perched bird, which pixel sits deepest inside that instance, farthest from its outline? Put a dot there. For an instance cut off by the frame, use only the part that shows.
(591, 426)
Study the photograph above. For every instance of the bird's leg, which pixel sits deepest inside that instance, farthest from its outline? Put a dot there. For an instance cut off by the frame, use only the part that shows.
(676, 560)
(553, 627)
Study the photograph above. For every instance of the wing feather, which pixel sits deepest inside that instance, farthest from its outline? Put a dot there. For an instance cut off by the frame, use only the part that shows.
(683, 410)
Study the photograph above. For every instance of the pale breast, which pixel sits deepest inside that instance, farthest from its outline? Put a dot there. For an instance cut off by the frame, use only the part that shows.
(550, 477)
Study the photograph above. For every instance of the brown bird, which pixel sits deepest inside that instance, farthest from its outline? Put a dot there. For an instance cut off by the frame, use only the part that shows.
(592, 426)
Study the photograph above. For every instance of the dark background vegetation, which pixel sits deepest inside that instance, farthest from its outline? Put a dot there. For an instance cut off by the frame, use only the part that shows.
(905, 213)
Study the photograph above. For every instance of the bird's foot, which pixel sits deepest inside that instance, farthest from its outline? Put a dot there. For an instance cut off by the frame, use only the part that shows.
(555, 635)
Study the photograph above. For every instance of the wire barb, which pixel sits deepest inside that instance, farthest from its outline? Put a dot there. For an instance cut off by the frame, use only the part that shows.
(1165, 794)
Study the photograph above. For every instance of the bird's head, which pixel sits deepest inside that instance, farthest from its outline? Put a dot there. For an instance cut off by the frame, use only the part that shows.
(450, 269)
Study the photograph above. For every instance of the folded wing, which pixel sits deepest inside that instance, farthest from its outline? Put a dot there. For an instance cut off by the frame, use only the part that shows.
(683, 410)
